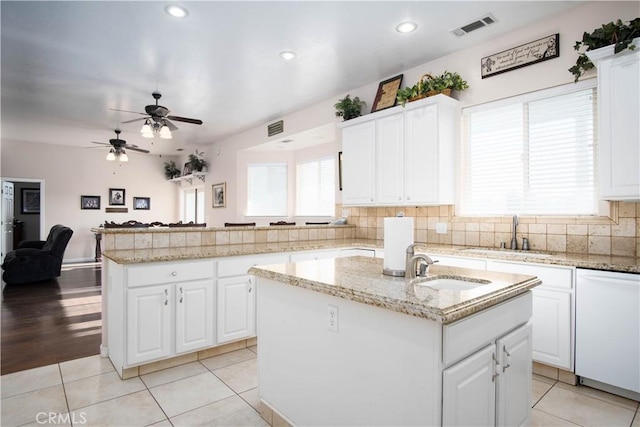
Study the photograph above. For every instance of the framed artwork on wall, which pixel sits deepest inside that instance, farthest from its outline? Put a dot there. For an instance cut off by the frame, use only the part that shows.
(116, 196)
(387, 94)
(219, 194)
(143, 203)
(30, 201)
(89, 202)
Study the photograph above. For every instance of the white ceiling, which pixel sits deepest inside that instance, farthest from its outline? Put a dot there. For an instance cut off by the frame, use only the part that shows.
(66, 64)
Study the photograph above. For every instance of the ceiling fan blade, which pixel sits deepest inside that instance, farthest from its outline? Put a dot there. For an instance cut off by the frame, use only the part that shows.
(127, 111)
(135, 120)
(135, 148)
(101, 143)
(170, 125)
(186, 120)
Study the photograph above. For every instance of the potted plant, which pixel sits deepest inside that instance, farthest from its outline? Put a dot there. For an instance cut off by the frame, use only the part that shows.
(429, 85)
(619, 33)
(197, 162)
(171, 170)
(348, 108)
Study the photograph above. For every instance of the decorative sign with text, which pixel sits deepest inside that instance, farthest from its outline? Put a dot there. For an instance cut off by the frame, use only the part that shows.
(521, 56)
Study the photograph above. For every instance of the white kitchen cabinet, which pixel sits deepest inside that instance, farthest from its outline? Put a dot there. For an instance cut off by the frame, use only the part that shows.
(155, 312)
(452, 261)
(236, 308)
(553, 310)
(412, 154)
(357, 252)
(492, 386)
(618, 112)
(358, 164)
(314, 255)
(389, 160)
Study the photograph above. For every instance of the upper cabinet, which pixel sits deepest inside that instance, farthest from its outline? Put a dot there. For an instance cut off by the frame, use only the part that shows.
(618, 111)
(401, 156)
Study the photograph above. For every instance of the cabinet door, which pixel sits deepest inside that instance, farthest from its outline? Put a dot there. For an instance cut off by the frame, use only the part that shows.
(194, 315)
(618, 90)
(149, 322)
(236, 308)
(469, 392)
(421, 171)
(389, 160)
(513, 406)
(358, 164)
(552, 327)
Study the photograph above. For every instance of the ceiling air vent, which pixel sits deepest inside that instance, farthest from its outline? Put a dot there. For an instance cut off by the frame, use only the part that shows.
(275, 128)
(488, 19)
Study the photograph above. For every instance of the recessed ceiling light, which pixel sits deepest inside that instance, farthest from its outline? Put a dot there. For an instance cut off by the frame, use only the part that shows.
(287, 55)
(176, 11)
(406, 27)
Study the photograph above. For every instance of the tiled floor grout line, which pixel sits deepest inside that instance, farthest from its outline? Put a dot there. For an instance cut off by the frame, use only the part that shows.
(64, 389)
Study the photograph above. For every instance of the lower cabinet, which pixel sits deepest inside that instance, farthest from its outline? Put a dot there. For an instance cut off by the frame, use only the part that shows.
(157, 314)
(236, 308)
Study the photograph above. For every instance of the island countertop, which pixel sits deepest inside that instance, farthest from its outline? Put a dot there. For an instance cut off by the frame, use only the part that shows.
(360, 279)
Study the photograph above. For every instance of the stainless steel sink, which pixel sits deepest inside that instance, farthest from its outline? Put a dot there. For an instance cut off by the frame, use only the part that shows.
(451, 283)
(521, 254)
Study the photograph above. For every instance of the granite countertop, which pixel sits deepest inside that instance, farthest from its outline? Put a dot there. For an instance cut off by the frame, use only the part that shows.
(360, 279)
(183, 228)
(596, 262)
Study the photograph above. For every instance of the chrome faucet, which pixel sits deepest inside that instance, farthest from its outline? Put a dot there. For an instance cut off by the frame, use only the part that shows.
(413, 265)
(412, 259)
(514, 240)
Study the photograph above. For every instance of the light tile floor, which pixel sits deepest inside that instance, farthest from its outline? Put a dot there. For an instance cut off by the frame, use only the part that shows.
(221, 391)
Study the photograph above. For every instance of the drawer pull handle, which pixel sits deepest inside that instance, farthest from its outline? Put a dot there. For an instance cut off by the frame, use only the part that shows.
(166, 296)
(174, 273)
(496, 367)
(250, 290)
(181, 295)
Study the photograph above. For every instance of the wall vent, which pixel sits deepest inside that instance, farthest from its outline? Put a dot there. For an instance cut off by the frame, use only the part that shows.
(275, 128)
(488, 19)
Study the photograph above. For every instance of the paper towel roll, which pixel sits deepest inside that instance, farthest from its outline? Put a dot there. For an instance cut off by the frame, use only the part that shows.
(398, 234)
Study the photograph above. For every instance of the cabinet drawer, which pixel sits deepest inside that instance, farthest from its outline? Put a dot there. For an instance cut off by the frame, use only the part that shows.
(557, 277)
(472, 333)
(240, 265)
(158, 273)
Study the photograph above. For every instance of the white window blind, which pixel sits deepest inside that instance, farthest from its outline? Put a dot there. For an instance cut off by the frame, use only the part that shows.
(534, 154)
(315, 187)
(267, 189)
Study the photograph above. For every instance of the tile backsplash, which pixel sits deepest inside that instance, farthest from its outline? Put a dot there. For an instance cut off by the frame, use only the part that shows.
(618, 234)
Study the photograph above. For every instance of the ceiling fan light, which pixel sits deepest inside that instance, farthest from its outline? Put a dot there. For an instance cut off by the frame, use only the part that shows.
(111, 155)
(148, 135)
(165, 132)
(146, 128)
(123, 157)
(166, 135)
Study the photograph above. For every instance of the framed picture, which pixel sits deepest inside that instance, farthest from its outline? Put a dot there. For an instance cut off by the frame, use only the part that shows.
(521, 56)
(89, 202)
(116, 196)
(387, 93)
(143, 203)
(219, 194)
(186, 170)
(30, 201)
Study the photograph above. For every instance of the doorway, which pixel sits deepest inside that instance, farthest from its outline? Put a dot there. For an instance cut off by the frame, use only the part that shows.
(22, 212)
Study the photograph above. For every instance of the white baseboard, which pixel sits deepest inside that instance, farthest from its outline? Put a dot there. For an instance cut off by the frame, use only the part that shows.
(77, 260)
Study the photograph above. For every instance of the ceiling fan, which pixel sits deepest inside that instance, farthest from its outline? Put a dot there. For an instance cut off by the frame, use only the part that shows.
(158, 120)
(117, 151)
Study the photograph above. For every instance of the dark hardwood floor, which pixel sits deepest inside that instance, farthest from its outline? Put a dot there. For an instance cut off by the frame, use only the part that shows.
(52, 321)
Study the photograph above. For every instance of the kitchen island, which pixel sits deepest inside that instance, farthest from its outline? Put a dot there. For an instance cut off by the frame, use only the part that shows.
(341, 344)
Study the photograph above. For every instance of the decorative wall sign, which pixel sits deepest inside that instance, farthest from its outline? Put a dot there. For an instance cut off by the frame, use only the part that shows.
(30, 201)
(521, 56)
(89, 202)
(387, 92)
(219, 195)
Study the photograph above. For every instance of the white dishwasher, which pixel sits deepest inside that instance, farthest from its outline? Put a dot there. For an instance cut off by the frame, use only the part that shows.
(608, 331)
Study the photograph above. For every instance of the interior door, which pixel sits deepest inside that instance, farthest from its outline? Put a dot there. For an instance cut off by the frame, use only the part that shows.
(7, 218)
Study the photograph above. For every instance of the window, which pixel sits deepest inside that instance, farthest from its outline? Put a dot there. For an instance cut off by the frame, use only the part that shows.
(534, 154)
(193, 205)
(315, 187)
(267, 189)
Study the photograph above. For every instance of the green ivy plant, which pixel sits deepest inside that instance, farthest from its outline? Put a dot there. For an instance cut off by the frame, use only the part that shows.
(619, 33)
(348, 108)
(428, 83)
(171, 170)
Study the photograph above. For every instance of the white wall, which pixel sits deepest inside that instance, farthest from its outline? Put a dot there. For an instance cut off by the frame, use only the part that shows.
(466, 62)
(69, 172)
